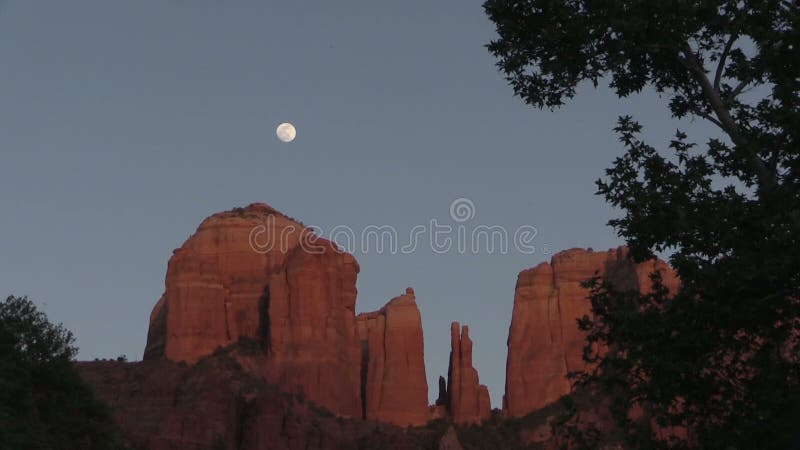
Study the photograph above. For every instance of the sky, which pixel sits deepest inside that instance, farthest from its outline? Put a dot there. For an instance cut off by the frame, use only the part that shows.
(123, 124)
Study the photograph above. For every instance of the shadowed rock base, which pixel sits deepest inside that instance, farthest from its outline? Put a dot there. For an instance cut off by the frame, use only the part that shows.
(214, 405)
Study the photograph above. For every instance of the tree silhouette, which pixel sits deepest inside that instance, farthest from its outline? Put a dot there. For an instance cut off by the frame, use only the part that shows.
(719, 358)
(44, 404)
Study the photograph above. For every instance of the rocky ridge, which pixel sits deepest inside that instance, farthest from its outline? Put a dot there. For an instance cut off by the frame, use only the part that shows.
(257, 290)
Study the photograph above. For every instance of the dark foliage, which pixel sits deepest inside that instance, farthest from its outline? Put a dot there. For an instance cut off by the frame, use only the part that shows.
(44, 404)
(720, 357)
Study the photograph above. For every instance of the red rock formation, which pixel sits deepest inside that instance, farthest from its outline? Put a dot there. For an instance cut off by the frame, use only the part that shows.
(313, 341)
(544, 343)
(393, 364)
(215, 282)
(245, 274)
(161, 405)
(469, 400)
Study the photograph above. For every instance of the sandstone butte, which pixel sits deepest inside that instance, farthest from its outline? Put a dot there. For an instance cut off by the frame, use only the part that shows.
(544, 343)
(300, 304)
(468, 399)
(393, 367)
(245, 274)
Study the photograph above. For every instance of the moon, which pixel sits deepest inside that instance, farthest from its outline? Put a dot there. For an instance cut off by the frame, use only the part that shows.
(286, 132)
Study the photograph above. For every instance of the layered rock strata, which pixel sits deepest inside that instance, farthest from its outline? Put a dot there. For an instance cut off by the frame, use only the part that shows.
(544, 342)
(395, 388)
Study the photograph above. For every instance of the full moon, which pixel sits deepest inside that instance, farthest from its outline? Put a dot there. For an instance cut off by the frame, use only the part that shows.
(286, 132)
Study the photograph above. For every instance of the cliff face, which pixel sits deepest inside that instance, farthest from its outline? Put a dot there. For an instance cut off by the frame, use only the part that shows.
(244, 274)
(468, 399)
(312, 337)
(245, 278)
(215, 284)
(303, 357)
(161, 405)
(393, 363)
(544, 343)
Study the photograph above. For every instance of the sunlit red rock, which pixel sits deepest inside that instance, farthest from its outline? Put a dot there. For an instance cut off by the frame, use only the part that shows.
(313, 342)
(544, 343)
(215, 283)
(393, 364)
(469, 400)
(244, 274)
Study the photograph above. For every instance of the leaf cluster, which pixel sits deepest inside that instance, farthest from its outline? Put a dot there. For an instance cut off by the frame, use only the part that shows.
(44, 403)
(717, 363)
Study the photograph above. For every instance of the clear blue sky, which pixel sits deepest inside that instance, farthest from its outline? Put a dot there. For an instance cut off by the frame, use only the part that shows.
(123, 124)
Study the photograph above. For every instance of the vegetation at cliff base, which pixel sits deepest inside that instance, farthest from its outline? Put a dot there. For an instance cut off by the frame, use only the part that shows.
(44, 403)
(717, 364)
